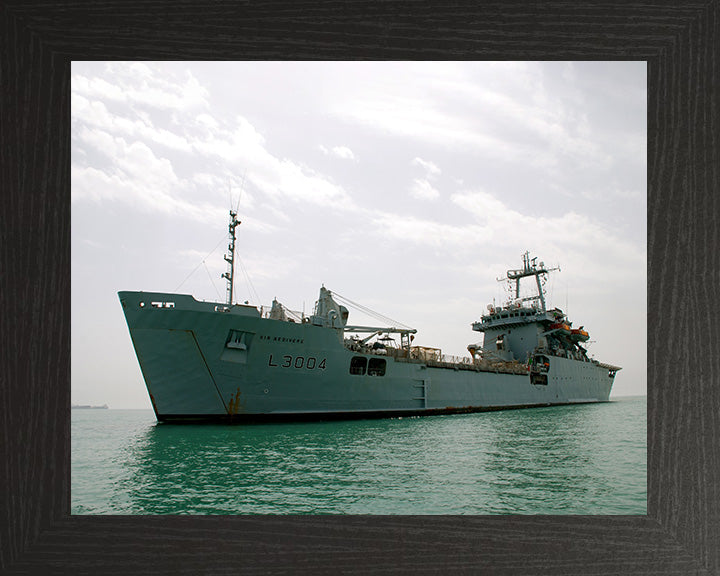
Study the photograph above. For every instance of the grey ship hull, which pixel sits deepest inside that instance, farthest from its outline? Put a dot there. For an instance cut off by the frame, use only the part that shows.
(207, 361)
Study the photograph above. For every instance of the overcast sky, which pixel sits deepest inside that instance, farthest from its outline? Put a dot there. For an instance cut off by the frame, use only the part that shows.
(407, 187)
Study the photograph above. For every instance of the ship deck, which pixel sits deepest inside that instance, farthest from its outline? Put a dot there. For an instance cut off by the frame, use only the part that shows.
(448, 362)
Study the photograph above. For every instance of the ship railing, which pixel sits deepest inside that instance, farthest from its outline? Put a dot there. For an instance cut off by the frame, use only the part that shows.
(450, 359)
(440, 360)
(462, 363)
(447, 360)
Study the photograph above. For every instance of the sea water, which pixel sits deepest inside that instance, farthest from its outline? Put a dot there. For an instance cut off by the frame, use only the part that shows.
(582, 459)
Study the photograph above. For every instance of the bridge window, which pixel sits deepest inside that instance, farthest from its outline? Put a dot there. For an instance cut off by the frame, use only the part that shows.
(377, 367)
(358, 365)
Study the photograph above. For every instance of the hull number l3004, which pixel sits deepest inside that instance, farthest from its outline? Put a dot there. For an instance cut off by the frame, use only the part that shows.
(298, 362)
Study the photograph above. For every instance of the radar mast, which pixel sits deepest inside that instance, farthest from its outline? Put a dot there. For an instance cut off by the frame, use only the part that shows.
(530, 268)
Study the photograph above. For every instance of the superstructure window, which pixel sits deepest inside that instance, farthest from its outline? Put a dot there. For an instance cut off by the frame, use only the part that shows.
(358, 365)
(377, 367)
(538, 379)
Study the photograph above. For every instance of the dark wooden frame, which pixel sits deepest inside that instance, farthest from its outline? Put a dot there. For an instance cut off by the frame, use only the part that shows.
(679, 41)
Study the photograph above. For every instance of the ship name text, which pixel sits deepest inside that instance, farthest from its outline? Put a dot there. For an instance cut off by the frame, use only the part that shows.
(283, 339)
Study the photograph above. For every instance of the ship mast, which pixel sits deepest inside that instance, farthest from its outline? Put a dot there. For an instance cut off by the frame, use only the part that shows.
(229, 275)
(530, 268)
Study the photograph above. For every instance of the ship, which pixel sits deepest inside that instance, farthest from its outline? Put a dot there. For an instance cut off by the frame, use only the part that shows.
(230, 362)
(88, 407)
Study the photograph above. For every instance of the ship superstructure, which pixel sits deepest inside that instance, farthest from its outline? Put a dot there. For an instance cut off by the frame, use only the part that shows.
(234, 362)
(524, 330)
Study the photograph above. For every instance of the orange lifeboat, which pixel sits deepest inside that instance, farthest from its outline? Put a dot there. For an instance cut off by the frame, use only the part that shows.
(579, 335)
(561, 327)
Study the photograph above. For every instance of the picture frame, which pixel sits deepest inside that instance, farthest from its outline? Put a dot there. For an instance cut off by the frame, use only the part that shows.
(680, 533)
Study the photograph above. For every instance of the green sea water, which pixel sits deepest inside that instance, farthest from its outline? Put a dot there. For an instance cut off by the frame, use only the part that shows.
(584, 459)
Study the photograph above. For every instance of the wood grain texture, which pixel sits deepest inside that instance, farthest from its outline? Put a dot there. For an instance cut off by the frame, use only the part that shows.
(680, 534)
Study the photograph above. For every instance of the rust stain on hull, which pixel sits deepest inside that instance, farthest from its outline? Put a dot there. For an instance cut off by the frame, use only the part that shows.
(234, 405)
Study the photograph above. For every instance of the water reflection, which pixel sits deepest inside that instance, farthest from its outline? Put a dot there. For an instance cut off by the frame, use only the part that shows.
(265, 468)
(576, 459)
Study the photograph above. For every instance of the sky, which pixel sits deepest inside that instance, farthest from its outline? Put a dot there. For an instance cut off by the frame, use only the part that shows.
(408, 187)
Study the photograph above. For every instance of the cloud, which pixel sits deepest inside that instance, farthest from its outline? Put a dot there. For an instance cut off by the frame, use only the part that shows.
(567, 236)
(94, 116)
(486, 208)
(423, 232)
(137, 130)
(423, 190)
(515, 112)
(137, 84)
(342, 152)
(430, 168)
(142, 181)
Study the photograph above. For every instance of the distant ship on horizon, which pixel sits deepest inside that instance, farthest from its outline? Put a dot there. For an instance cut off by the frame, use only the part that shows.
(213, 361)
(88, 407)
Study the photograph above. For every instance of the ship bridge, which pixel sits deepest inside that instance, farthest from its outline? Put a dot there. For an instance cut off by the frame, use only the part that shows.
(515, 312)
(515, 315)
(515, 330)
